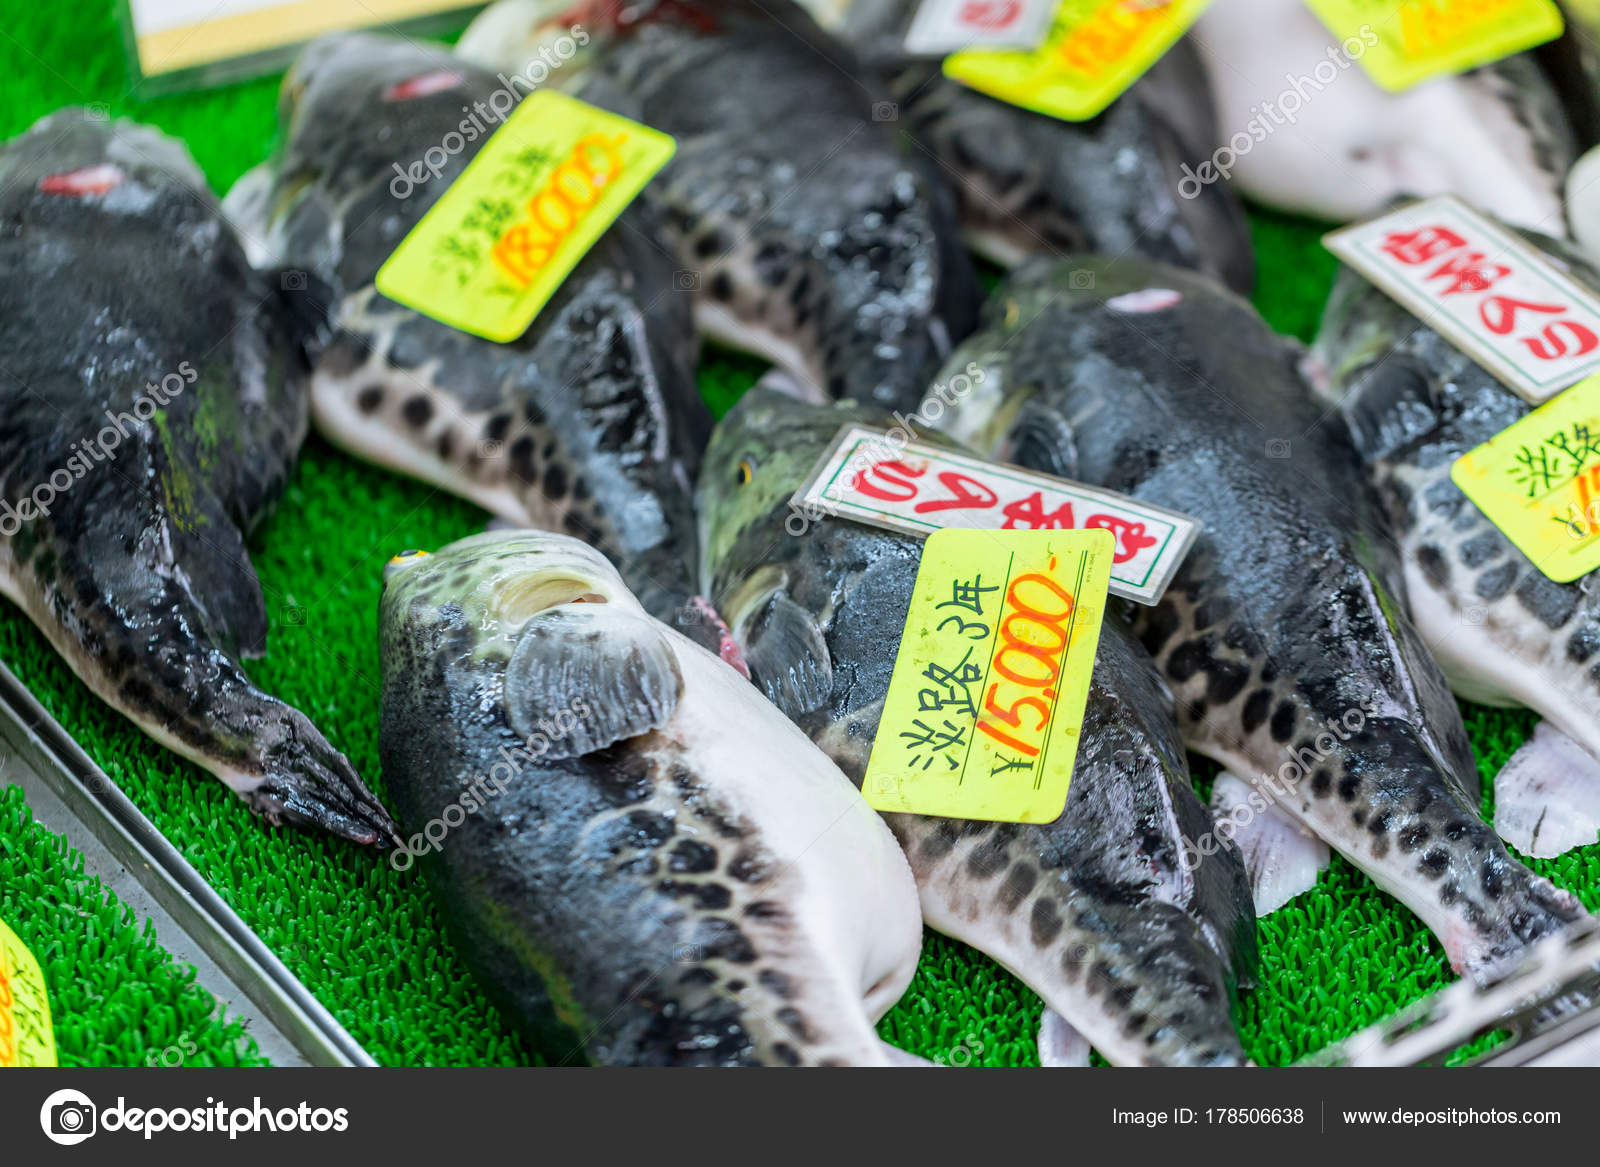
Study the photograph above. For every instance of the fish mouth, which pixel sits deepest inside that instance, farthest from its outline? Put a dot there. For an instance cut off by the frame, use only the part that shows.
(701, 623)
(520, 599)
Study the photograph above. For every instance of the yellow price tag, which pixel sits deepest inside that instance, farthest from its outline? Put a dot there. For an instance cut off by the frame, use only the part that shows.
(1095, 49)
(1408, 41)
(26, 1036)
(989, 687)
(1539, 482)
(495, 247)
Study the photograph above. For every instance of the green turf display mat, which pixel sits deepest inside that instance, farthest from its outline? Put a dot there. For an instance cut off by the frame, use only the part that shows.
(365, 939)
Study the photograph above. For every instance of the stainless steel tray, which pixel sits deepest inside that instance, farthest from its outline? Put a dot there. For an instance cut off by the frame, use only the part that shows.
(232, 959)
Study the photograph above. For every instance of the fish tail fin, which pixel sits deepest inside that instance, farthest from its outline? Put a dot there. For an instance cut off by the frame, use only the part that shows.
(1140, 980)
(139, 608)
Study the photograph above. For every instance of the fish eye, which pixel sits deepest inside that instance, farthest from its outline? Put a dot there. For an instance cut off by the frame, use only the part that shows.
(745, 472)
(407, 558)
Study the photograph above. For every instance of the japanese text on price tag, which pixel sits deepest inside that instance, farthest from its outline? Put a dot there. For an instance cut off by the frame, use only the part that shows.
(495, 247)
(1093, 51)
(918, 487)
(26, 1036)
(1419, 39)
(992, 678)
(1539, 482)
(1484, 290)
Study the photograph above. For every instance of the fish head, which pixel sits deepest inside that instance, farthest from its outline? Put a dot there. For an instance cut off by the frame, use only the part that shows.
(373, 129)
(82, 155)
(1128, 285)
(493, 583)
(759, 455)
(353, 104)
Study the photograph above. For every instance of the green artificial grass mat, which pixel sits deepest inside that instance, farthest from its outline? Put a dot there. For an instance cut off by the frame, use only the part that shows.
(116, 997)
(366, 940)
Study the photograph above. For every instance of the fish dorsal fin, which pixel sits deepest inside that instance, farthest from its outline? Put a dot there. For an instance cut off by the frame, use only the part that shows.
(584, 676)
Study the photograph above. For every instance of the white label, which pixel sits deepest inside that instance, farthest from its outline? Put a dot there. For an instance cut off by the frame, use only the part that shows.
(1486, 291)
(948, 26)
(917, 488)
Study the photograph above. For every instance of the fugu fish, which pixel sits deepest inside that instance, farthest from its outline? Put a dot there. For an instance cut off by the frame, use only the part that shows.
(1283, 634)
(589, 423)
(1313, 134)
(154, 403)
(1504, 633)
(810, 237)
(1028, 184)
(648, 865)
(1104, 911)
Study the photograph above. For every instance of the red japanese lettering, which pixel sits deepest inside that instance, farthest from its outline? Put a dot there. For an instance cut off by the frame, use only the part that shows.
(964, 492)
(1499, 313)
(1131, 538)
(890, 473)
(1472, 272)
(1421, 245)
(990, 13)
(1551, 344)
(1028, 514)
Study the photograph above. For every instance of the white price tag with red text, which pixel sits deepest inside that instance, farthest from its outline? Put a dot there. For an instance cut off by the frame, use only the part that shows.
(948, 26)
(1490, 294)
(918, 488)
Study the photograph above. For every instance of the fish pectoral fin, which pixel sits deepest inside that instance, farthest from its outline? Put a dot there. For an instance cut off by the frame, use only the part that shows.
(1282, 858)
(212, 564)
(1043, 438)
(1060, 1045)
(787, 655)
(585, 676)
(1394, 403)
(1547, 797)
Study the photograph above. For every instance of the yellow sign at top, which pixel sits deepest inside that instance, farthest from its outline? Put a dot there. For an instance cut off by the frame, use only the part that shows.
(1411, 41)
(1095, 49)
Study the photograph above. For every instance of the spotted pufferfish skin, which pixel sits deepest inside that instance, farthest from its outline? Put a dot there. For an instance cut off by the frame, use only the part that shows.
(1028, 184)
(813, 236)
(641, 859)
(1284, 634)
(155, 400)
(590, 423)
(1504, 632)
(1101, 912)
